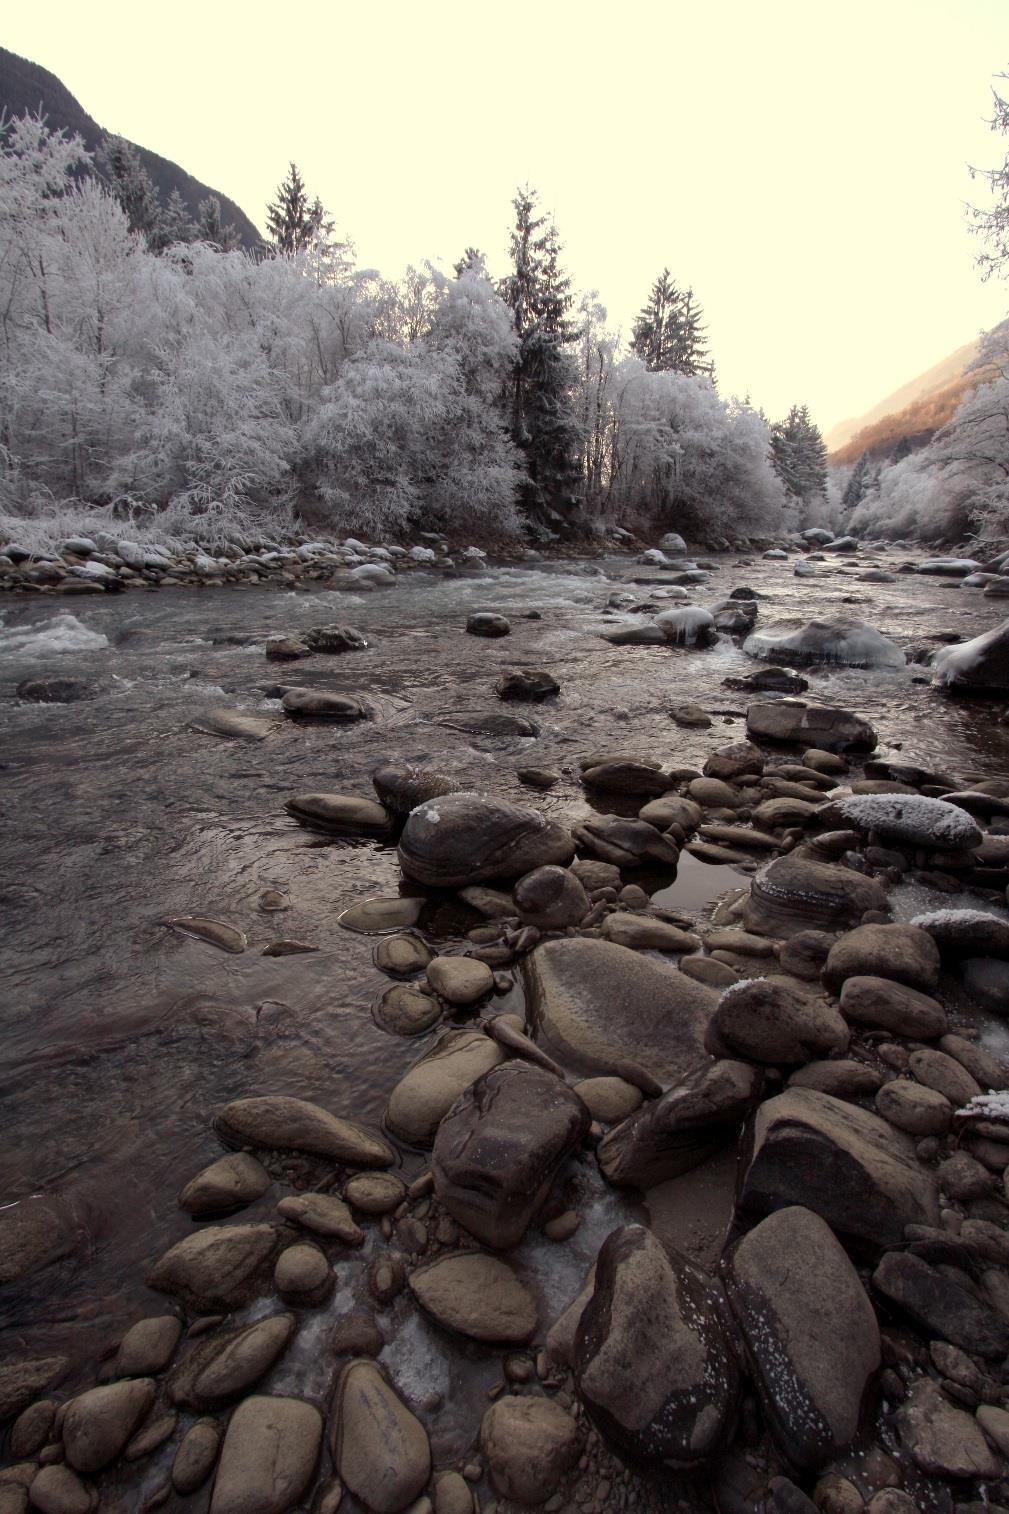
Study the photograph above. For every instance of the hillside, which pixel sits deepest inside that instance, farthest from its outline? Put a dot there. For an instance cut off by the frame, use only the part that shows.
(914, 412)
(24, 86)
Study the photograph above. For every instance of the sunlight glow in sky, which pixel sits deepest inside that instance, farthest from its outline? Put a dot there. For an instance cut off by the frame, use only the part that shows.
(801, 163)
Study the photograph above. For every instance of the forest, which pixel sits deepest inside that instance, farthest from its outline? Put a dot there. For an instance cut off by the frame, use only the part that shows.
(151, 369)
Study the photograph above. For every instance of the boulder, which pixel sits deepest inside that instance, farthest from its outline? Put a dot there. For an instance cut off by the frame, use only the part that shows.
(847, 1165)
(228, 1184)
(97, 1424)
(848, 643)
(225, 1365)
(654, 1364)
(219, 1267)
(688, 626)
(910, 1107)
(596, 1006)
(765, 1020)
(911, 819)
(551, 898)
(427, 1091)
(672, 809)
(738, 759)
(945, 1074)
(646, 932)
(793, 893)
(317, 704)
(528, 684)
(671, 1135)
(625, 843)
(941, 1439)
(823, 726)
(478, 1296)
(530, 1445)
(280, 1122)
(626, 776)
(405, 1011)
(980, 665)
(940, 1306)
(483, 623)
(810, 1332)
(334, 639)
(340, 814)
(886, 1005)
(966, 932)
(904, 952)
(148, 1346)
(380, 1450)
(464, 838)
(54, 1490)
(460, 981)
(608, 1099)
(499, 1147)
(270, 1453)
(842, 1078)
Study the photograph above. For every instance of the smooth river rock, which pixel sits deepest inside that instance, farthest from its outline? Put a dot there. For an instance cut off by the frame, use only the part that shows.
(97, 1424)
(903, 952)
(597, 1006)
(270, 1453)
(812, 725)
(225, 1365)
(466, 838)
(765, 1020)
(886, 1005)
(380, 1450)
(479, 1296)
(287, 1124)
(530, 1445)
(810, 1332)
(228, 1184)
(427, 1091)
(218, 1267)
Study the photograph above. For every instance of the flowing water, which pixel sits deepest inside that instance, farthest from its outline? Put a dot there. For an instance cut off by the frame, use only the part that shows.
(122, 1036)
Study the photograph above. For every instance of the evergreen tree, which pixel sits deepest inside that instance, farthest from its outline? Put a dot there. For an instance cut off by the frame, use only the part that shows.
(799, 455)
(657, 329)
(211, 229)
(543, 419)
(858, 484)
(292, 221)
(690, 353)
(472, 261)
(118, 163)
(177, 225)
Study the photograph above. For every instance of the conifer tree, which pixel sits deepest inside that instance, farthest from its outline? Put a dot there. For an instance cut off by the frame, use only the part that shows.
(543, 419)
(118, 163)
(472, 261)
(291, 219)
(799, 455)
(211, 229)
(177, 225)
(669, 335)
(858, 484)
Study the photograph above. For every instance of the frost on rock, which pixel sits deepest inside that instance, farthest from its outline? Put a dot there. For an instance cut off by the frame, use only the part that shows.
(985, 1106)
(912, 818)
(981, 663)
(687, 627)
(850, 643)
(954, 567)
(967, 918)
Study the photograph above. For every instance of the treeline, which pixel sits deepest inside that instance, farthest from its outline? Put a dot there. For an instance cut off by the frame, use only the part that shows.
(147, 362)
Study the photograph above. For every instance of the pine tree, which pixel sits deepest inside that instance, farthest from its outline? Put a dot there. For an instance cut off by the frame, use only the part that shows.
(657, 330)
(799, 455)
(472, 261)
(211, 229)
(177, 225)
(690, 351)
(543, 420)
(292, 221)
(858, 484)
(118, 163)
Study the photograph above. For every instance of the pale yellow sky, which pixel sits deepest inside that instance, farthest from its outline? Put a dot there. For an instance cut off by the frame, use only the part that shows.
(800, 163)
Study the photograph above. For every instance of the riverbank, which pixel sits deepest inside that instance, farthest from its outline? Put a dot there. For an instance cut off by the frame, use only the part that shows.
(133, 1039)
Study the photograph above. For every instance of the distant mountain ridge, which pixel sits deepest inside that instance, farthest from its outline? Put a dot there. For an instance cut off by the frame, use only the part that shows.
(25, 86)
(913, 413)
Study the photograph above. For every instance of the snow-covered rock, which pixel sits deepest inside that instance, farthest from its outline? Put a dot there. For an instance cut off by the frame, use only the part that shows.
(982, 663)
(804, 569)
(688, 627)
(817, 534)
(373, 573)
(96, 570)
(849, 643)
(911, 818)
(841, 544)
(654, 557)
(421, 554)
(952, 567)
(354, 545)
(474, 554)
(775, 554)
(80, 546)
(674, 543)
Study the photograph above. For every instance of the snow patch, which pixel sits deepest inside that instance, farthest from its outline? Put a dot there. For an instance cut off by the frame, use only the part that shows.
(64, 633)
(912, 818)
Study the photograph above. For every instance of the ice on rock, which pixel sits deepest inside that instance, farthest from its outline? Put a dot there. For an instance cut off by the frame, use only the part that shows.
(982, 662)
(687, 627)
(63, 633)
(849, 643)
(912, 818)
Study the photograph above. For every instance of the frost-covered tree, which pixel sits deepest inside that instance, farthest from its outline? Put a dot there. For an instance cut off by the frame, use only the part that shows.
(177, 225)
(118, 163)
(991, 222)
(211, 229)
(799, 455)
(544, 426)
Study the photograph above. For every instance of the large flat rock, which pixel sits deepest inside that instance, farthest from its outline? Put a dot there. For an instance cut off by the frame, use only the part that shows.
(598, 1007)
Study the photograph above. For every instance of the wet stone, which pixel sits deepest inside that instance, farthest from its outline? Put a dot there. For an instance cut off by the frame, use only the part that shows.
(380, 1450)
(32, 1428)
(195, 1458)
(228, 1184)
(460, 981)
(303, 1275)
(478, 1296)
(374, 915)
(405, 1011)
(401, 955)
(530, 1444)
(218, 1267)
(270, 1452)
(279, 1122)
(374, 1192)
(324, 1214)
(97, 1424)
(223, 1366)
(148, 1346)
(57, 1490)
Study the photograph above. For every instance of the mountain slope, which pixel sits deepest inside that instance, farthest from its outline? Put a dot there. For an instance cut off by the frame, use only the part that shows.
(914, 412)
(24, 86)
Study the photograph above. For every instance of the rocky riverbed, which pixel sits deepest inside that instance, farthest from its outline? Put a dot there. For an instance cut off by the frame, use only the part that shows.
(496, 1043)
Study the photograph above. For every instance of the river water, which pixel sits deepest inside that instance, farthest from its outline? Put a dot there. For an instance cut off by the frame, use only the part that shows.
(122, 1037)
